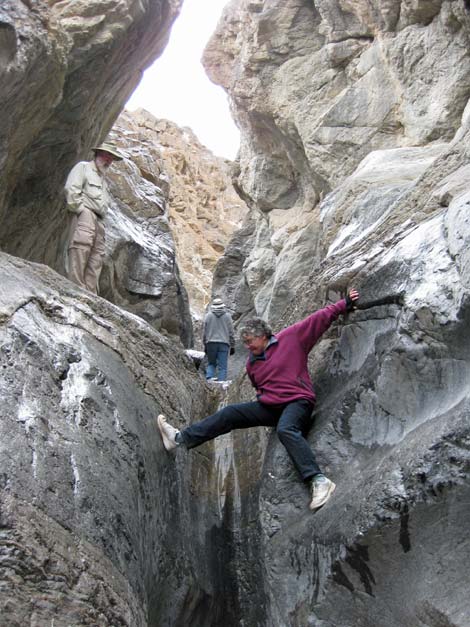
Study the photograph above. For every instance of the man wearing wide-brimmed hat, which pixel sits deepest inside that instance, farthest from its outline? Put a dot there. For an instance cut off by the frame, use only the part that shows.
(88, 200)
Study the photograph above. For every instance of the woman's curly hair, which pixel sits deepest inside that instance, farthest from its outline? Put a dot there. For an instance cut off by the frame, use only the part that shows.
(257, 327)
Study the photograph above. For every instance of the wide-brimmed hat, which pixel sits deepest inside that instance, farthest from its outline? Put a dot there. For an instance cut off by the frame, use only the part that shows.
(112, 150)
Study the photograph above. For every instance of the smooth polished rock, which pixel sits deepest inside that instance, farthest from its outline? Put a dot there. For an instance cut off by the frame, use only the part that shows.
(373, 108)
(94, 513)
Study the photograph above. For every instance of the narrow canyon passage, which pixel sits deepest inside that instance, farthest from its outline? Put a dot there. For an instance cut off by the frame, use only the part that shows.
(352, 172)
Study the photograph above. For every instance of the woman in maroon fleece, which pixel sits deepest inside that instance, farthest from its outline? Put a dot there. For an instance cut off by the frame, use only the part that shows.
(278, 369)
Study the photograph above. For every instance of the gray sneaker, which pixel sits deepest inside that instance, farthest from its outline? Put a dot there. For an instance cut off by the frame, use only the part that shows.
(322, 489)
(167, 432)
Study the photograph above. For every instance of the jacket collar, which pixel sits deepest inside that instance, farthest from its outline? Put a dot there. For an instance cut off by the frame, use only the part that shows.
(95, 170)
(272, 340)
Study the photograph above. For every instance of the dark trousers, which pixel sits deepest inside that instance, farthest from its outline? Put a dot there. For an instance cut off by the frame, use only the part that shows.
(291, 420)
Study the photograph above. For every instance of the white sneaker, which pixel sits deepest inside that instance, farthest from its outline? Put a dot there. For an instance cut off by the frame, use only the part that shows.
(167, 432)
(322, 489)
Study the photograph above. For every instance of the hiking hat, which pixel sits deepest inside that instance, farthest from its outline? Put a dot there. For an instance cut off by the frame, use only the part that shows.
(217, 304)
(110, 149)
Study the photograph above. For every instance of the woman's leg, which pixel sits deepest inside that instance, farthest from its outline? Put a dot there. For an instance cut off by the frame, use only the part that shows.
(237, 416)
(293, 423)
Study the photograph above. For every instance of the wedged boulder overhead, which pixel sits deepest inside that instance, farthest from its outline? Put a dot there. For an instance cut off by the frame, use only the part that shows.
(66, 71)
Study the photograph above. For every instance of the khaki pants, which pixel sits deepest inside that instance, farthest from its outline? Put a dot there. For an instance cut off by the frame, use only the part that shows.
(86, 250)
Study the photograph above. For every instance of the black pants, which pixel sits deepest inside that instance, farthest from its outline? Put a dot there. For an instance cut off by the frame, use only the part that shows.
(291, 420)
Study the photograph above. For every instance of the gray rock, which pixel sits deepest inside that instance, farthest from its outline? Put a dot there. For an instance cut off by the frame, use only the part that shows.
(94, 513)
(385, 210)
(357, 78)
(354, 163)
(66, 71)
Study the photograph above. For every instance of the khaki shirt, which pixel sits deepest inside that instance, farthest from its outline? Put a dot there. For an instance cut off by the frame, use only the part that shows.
(86, 188)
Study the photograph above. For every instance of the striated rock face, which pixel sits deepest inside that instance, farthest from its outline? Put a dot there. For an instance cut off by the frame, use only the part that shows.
(315, 88)
(203, 207)
(99, 525)
(354, 160)
(66, 70)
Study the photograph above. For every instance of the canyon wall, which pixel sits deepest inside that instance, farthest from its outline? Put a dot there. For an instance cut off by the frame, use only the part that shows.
(99, 525)
(354, 161)
(317, 88)
(93, 516)
(203, 207)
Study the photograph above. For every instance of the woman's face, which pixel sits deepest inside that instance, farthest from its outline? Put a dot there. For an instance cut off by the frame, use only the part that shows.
(255, 344)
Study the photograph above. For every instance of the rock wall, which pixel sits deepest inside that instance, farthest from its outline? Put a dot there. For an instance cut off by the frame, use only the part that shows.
(203, 207)
(316, 87)
(99, 525)
(89, 500)
(66, 71)
(354, 160)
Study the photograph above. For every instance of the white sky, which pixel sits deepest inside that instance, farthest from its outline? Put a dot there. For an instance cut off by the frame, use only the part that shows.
(177, 88)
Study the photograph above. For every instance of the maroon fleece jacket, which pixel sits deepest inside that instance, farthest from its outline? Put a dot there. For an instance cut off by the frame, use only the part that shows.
(283, 375)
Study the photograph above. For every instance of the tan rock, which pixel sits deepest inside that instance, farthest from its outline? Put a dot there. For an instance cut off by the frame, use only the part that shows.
(203, 207)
